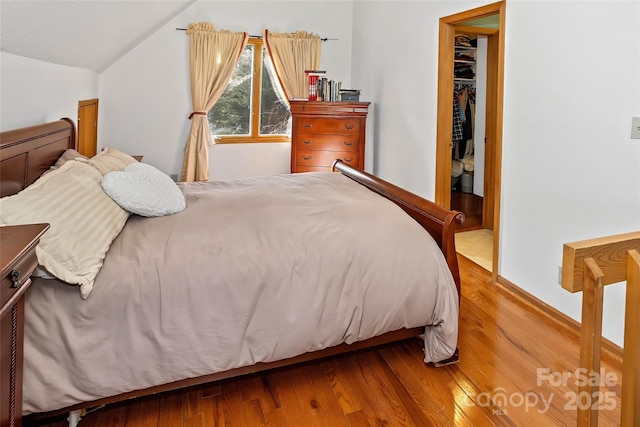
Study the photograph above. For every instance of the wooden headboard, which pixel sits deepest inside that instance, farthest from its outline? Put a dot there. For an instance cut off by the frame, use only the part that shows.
(27, 153)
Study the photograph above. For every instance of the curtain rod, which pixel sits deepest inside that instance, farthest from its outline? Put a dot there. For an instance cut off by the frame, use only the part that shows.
(259, 37)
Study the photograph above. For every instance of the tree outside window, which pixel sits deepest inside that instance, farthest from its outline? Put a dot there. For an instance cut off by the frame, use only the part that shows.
(252, 108)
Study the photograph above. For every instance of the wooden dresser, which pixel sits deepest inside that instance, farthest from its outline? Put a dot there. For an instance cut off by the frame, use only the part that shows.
(18, 260)
(325, 131)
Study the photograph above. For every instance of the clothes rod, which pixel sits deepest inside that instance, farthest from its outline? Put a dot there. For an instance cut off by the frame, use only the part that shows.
(259, 37)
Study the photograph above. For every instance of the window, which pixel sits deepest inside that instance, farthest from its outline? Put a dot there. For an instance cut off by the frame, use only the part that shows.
(252, 107)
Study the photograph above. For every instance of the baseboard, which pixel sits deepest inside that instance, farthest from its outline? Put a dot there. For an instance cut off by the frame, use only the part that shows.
(607, 345)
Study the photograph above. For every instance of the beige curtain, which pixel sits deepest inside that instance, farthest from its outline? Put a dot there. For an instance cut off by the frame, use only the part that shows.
(292, 54)
(212, 57)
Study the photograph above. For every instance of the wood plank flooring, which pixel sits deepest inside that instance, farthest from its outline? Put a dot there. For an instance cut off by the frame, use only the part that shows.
(513, 359)
(471, 205)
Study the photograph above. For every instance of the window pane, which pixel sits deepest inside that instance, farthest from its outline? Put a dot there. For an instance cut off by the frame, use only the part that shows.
(231, 115)
(274, 111)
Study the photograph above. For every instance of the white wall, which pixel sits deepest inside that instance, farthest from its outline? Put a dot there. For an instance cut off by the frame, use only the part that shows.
(395, 63)
(150, 85)
(34, 92)
(570, 170)
(480, 118)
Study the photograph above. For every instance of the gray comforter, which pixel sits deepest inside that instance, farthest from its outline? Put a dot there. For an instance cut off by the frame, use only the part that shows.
(254, 270)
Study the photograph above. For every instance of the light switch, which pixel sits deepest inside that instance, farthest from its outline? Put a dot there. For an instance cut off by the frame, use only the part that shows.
(635, 128)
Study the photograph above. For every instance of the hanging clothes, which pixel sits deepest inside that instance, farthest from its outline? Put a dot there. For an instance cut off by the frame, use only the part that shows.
(457, 122)
(467, 126)
(470, 147)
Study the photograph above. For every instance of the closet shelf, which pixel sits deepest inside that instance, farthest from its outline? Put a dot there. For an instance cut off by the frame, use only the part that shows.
(464, 65)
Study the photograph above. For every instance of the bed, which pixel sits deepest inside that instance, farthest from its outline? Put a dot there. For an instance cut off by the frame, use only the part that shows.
(254, 274)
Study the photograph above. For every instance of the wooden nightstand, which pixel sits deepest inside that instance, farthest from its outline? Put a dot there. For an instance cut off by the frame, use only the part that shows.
(18, 260)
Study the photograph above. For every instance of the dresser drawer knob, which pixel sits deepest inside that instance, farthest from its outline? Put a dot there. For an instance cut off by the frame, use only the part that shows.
(307, 141)
(15, 278)
(348, 144)
(348, 127)
(349, 160)
(307, 125)
(306, 157)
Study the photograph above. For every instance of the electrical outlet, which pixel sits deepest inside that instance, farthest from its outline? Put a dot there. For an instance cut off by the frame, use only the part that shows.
(635, 127)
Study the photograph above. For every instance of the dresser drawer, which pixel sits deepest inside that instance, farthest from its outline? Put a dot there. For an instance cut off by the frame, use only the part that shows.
(328, 125)
(25, 266)
(328, 142)
(325, 158)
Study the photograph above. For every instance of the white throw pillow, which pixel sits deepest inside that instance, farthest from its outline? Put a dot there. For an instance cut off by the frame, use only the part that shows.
(144, 190)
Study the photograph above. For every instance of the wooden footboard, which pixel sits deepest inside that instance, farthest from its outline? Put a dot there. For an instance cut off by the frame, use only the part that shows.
(26, 153)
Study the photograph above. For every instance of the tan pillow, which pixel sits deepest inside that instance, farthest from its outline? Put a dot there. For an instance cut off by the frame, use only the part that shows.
(111, 159)
(69, 154)
(84, 221)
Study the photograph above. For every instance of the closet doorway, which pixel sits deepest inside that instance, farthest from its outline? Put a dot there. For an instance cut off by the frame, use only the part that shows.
(468, 169)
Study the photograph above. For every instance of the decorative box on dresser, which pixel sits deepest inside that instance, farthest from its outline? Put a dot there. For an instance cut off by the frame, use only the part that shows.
(18, 260)
(325, 131)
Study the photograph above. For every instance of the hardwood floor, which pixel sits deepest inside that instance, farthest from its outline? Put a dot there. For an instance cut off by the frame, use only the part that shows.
(513, 359)
(476, 245)
(469, 204)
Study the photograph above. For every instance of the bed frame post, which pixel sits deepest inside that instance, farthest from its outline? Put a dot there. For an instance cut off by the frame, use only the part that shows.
(74, 417)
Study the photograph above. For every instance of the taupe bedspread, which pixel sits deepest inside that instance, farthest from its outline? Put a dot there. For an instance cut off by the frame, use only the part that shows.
(254, 270)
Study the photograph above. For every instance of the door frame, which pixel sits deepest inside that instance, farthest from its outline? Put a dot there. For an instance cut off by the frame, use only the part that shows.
(495, 100)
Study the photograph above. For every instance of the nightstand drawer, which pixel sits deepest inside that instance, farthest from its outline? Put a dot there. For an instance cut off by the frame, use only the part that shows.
(325, 158)
(23, 269)
(328, 142)
(328, 126)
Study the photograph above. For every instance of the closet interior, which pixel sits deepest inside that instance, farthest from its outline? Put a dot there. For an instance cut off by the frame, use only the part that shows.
(467, 145)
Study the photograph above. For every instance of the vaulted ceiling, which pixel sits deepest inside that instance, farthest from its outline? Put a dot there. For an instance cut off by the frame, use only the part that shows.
(82, 33)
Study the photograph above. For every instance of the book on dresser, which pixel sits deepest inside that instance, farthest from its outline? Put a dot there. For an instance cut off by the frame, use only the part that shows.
(323, 132)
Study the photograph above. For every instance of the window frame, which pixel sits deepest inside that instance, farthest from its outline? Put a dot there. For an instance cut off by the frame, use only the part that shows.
(256, 98)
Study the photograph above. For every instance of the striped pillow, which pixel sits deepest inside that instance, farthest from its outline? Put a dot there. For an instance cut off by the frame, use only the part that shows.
(84, 221)
(111, 159)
